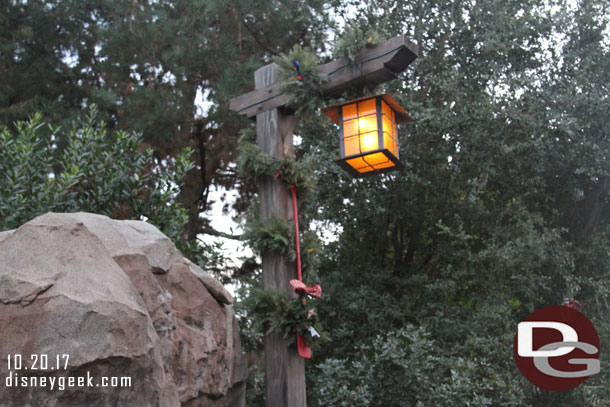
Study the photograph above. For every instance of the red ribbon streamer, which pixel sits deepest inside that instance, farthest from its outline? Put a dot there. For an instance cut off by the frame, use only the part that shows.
(295, 215)
(298, 285)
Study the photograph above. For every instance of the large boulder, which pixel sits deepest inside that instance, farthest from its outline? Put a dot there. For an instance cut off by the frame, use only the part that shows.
(120, 301)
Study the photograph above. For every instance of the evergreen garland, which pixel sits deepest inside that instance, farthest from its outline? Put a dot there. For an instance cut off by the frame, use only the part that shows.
(277, 234)
(253, 163)
(274, 312)
(355, 37)
(304, 94)
(274, 234)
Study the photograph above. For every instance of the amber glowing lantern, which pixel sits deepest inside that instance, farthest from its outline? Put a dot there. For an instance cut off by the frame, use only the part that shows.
(369, 142)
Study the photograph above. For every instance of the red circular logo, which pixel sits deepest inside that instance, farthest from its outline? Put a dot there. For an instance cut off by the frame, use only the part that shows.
(556, 348)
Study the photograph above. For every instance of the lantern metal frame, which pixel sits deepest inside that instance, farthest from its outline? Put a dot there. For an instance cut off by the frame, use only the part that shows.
(335, 113)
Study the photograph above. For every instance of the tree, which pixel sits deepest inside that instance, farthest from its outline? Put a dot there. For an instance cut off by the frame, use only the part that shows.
(35, 177)
(501, 210)
(143, 64)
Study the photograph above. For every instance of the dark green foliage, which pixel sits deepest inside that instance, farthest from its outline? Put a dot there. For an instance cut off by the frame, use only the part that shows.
(143, 63)
(253, 164)
(277, 234)
(502, 209)
(255, 395)
(304, 96)
(269, 235)
(356, 37)
(98, 171)
(404, 368)
(271, 311)
(311, 247)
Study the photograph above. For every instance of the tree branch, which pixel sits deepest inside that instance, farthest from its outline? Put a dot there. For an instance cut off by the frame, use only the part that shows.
(208, 230)
(265, 47)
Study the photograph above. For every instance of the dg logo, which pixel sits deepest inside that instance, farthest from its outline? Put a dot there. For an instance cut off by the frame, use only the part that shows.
(556, 348)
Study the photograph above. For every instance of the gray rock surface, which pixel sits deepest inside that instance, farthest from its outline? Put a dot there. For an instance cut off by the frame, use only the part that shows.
(121, 301)
(216, 289)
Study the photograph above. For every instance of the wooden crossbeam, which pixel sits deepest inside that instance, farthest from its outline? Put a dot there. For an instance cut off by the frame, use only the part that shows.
(375, 65)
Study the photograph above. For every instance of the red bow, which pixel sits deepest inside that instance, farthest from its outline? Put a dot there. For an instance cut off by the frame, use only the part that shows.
(572, 303)
(301, 289)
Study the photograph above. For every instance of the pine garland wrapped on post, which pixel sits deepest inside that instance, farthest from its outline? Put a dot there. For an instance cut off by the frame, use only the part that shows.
(273, 312)
(278, 234)
(270, 235)
(253, 163)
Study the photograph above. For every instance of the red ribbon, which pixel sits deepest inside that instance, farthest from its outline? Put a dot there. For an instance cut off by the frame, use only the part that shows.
(301, 289)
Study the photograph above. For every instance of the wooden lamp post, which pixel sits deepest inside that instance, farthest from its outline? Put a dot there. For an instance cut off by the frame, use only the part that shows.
(284, 369)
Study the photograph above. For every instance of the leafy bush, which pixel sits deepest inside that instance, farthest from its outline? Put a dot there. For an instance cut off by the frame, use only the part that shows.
(98, 171)
(406, 367)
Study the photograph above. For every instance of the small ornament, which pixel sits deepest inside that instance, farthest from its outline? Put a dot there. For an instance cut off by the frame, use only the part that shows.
(299, 78)
(277, 175)
(313, 332)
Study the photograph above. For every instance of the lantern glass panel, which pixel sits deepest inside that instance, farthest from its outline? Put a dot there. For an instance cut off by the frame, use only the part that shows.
(352, 145)
(350, 128)
(367, 107)
(375, 161)
(350, 111)
(388, 143)
(389, 131)
(367, 124)
(360, 131)
(369, 141)
(385, 109)
(359, 164)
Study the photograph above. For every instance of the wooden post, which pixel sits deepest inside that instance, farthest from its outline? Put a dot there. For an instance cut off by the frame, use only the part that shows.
(284, 368)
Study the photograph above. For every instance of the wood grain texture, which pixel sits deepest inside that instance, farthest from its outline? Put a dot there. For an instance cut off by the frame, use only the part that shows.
(284, 369)
(376, 65)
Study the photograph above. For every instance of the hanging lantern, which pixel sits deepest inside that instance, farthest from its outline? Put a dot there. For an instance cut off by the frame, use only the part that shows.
(368, 134)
